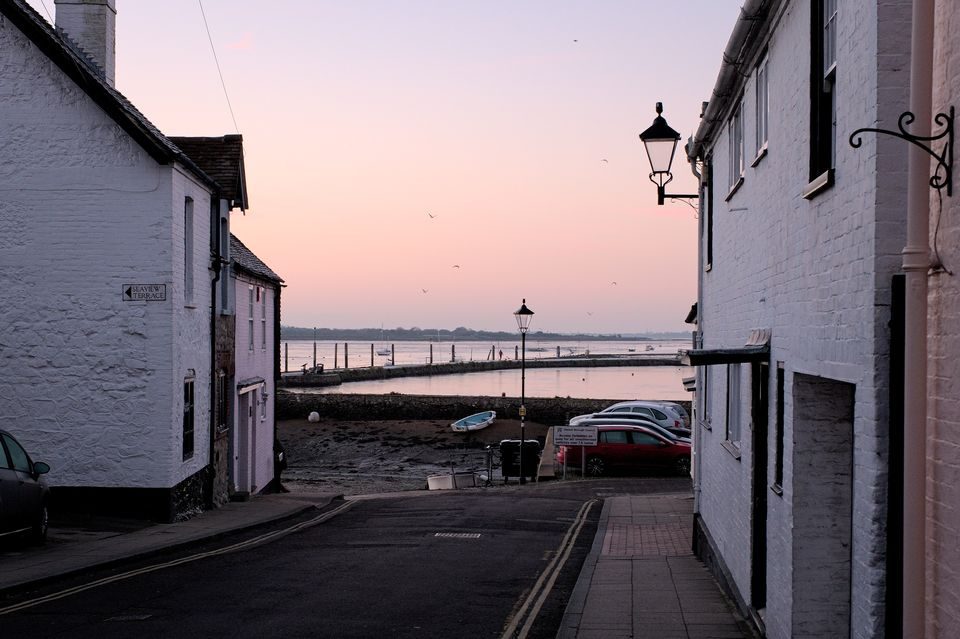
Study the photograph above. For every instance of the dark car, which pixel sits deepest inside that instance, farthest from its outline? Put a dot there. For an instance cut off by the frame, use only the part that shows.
(622, 447)
(24, 494)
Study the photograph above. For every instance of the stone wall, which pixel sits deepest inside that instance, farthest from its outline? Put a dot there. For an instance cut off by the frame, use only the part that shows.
(549, 411)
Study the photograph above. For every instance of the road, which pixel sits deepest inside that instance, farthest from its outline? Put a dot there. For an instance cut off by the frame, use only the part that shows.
(468, 564)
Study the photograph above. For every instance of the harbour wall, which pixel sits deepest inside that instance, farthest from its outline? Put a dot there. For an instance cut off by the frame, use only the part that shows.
(543, 410)
(368, 373)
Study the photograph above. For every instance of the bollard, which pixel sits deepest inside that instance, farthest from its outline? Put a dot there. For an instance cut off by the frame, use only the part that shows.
(346, 356)
(286, 357)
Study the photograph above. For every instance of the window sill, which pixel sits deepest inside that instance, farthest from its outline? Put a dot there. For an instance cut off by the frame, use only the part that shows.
(733, 189)
(704, 424)
(762, 153)
(777, 489)
(819, 184)
(732, 448)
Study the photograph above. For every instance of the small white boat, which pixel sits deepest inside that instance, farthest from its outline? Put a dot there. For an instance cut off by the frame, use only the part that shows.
(474, 422)
(384, 352)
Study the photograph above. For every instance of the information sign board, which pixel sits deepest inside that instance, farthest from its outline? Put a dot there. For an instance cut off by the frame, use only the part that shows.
(575, 435)
(144, 292)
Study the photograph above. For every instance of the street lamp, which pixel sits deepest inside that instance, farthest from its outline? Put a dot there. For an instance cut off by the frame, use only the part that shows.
(524, 316)
(660, 142)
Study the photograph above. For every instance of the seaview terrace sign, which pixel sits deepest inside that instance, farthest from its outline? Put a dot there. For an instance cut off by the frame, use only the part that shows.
(144, 292)
(575, 435)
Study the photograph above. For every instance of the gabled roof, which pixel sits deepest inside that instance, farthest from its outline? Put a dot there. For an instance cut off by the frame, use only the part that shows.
(90, 79)
(222, 159)
(244, 260)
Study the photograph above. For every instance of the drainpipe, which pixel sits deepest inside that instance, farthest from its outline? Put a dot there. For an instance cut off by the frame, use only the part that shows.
(916, 262)
(217, 265)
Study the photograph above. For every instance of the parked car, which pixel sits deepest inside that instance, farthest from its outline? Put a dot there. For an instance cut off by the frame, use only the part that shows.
(679, 410)
(629, 418)
(24, 493)
(622, 447)
(656, 411)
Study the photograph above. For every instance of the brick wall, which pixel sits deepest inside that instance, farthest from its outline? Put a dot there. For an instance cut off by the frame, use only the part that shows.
(90, 383)
(817, 272)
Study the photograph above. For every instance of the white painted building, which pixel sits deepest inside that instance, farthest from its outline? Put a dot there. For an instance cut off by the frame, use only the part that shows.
(105, 249)
(257, 295)
(800, 238)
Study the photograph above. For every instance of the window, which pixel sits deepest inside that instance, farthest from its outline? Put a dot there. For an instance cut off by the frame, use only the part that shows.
(188, 251)
(778, 459)
(823, 98)
(263, 318)
(188, 416)
(735, 131)
(763, 110)
(250, 304)
(221, 401)
(733, 404)
(645, 439)
(613, 437)
(19, 457)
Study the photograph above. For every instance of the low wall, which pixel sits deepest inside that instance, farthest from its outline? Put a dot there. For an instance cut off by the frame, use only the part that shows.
(549, 411)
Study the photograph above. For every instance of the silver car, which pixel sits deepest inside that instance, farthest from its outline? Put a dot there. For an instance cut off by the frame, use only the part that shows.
(24, 494)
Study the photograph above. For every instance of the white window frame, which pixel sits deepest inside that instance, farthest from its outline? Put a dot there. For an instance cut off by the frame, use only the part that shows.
(763, 109)
(733, 430)
(188, 250)
(250, 323)
(263, 318)
(735, 138)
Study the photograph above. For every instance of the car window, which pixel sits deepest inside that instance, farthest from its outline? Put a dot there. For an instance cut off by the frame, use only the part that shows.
(645, 438)
(643, 410)
(619, 409)
(658, 414)
(613, 437)
(18, 455)
(3, 458)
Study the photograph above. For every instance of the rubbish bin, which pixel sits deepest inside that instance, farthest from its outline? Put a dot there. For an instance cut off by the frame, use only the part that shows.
(510, 458)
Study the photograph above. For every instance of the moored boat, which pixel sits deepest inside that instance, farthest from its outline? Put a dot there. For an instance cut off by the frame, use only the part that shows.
(474, 422)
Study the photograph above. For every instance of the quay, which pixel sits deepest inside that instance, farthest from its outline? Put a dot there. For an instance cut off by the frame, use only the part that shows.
(311, 379)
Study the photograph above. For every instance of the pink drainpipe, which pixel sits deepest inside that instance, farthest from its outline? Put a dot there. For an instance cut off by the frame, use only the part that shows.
(916, 261)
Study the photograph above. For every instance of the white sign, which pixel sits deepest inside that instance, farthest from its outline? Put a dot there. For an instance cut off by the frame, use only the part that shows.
(144, 292)
(575, 435)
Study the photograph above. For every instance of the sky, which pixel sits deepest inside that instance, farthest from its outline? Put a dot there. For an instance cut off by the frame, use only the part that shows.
(432, 163)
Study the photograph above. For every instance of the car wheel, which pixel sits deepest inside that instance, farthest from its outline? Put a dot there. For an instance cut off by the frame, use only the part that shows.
(40, 525)
(595, 466)
(682, 466)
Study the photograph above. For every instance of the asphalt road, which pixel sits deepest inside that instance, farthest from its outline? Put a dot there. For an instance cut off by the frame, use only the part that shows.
(464, 564)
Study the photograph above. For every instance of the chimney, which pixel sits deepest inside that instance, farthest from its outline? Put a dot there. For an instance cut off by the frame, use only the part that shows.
(91, 24)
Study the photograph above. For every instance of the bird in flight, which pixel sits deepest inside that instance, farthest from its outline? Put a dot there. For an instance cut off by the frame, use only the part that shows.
(589, 313)
(576, 40)
(456, 266)
(605, 160)
(431, 215)
(613, 283)
(424, 290)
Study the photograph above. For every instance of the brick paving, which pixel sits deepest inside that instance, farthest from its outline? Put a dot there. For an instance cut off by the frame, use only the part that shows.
(642, 580)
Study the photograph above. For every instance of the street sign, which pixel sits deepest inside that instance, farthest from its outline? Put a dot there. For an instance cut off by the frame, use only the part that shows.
(144, 292)
(575, 435)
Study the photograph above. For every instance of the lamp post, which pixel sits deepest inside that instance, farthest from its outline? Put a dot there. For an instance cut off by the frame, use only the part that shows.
(524, 315)
(660, 142)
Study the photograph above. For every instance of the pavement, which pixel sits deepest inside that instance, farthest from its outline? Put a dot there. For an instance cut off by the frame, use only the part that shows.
(640, 578)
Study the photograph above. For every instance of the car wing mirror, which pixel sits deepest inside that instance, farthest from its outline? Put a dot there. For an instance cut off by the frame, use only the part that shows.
(41, 468)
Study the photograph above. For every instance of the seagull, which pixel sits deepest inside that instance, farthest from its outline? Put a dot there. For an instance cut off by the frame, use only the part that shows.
(576, 40)
(613, 283)
(424, 290)
(605, 160)
(589, 313)
(431, 215)
(456, 266)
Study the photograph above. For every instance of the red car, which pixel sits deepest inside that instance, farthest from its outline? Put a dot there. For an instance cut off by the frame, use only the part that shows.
(626, 447)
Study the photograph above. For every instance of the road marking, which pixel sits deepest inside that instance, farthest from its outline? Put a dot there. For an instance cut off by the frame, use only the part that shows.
(243, 545)
(457, 535)
(541, 589)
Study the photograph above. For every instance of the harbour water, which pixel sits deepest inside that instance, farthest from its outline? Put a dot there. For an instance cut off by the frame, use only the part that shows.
(620, 382)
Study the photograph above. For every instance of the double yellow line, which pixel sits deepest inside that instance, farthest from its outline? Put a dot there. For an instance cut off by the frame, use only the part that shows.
(541, 590)
(243, 545)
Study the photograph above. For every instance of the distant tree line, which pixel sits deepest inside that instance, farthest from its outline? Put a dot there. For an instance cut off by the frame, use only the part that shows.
(459, 334)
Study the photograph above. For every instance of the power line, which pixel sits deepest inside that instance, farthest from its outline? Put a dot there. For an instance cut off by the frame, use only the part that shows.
(47, 10)
(217, 61)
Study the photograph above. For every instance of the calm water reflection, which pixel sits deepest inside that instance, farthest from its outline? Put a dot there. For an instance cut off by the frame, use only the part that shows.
(627, 382)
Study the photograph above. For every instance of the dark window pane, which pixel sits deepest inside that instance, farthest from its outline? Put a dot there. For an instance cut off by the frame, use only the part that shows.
(18, 456)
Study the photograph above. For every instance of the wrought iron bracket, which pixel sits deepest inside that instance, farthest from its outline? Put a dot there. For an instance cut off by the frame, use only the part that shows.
(944, 159)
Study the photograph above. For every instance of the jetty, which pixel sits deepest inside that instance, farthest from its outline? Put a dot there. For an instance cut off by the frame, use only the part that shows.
(311, 379)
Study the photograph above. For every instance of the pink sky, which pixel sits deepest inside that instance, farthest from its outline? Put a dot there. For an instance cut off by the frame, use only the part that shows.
(360, 118)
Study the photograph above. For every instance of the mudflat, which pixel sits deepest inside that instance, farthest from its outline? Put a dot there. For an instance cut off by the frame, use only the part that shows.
(367, 457)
